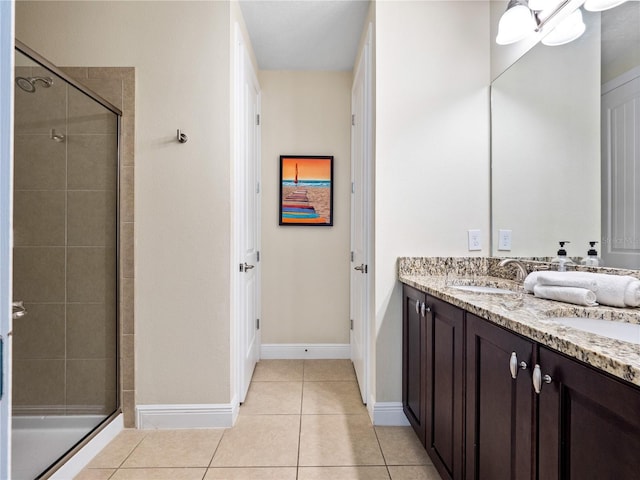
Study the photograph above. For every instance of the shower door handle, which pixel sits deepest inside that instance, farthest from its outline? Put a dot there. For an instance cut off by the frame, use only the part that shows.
(18, 310)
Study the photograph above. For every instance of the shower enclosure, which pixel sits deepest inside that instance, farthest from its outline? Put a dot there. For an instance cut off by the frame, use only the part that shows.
(65, 265)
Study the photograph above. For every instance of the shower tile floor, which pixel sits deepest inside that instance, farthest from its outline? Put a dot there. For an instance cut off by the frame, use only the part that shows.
(302, 420)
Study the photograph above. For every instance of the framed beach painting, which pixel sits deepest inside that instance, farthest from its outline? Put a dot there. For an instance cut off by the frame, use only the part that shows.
(306, 190)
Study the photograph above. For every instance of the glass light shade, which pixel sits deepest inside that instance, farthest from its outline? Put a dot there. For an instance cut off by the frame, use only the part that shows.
(566, 31)
(516, 23)
(600, 5)
(539, 5)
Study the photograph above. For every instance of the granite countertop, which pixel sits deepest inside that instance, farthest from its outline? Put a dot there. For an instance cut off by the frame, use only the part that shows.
(525, 314)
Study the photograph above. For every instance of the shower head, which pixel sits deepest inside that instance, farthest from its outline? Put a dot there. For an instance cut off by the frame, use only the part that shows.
(25, 84)
(28, 84)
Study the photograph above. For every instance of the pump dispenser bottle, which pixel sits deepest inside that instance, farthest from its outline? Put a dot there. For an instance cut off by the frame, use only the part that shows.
(562, 260)
(592, 259)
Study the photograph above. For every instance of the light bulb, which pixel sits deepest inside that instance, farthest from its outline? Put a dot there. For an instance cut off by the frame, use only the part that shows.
(566, 31)
(516, 23)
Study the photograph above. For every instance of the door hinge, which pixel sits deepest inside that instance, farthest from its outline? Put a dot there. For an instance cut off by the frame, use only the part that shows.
(258, 256)
(258, 187)
(258, 119)
(352, 256)
(353, 119)
(352, 324)
(257, 324)
(353, 187)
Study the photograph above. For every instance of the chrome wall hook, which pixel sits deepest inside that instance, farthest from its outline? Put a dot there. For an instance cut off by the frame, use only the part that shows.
(57, 137)
(182, 137)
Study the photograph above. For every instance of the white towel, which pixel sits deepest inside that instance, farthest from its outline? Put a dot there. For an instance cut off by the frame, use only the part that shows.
(577, 296)
(613, 290)
(560, 279)
(632, 294)
(570, 279)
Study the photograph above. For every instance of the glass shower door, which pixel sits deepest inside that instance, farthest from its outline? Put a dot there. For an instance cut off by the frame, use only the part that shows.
(65, 267)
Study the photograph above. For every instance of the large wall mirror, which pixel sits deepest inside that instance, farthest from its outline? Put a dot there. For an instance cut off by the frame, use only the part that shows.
(565, 145)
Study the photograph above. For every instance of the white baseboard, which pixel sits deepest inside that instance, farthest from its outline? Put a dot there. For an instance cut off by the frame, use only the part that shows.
(150, 417)
(81, 459)
(302, 351)
(389, 414)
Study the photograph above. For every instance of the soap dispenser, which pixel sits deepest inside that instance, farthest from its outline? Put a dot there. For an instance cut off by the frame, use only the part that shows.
(592, 259)
(562, 260)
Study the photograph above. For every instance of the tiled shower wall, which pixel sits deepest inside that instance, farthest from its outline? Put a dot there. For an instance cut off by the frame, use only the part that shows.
(65, 252)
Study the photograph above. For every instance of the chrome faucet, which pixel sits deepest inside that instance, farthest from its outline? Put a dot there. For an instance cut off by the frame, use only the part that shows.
(522, 271)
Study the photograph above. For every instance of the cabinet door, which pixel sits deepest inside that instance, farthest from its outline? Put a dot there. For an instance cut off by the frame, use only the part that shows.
(414, 359)
(499, 422)
(445, 394)
(589, 423)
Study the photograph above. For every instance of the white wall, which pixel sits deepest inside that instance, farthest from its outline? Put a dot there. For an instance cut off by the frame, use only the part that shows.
(305, 270)
(181, 52)
(432, 150)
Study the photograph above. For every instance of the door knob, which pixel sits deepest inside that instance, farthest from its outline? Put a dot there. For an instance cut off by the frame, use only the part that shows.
(361, 268)
(248, 267)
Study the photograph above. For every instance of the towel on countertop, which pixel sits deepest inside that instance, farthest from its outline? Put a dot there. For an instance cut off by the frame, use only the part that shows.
(613, 290)
(569, 279)
(577, 296)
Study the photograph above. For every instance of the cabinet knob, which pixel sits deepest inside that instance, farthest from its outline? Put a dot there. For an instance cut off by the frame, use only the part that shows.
(538, 378)
(425, 309)
(514, 365)
(418, 307)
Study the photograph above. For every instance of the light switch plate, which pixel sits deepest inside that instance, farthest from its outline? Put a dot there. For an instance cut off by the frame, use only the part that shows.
(504, 240)
(475, 242)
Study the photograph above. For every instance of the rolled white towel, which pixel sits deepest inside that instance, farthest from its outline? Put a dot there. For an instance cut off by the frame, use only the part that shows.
(632, 294)
(613, 290)
(570, 279)
(577, 296)
(531, 281)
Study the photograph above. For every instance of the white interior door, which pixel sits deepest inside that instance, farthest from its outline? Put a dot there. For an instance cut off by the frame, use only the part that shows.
(250, 226)
(6, 195)
(621, 176)
(360, 233)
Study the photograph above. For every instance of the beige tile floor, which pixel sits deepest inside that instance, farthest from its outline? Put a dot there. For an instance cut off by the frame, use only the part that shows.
(302, 420)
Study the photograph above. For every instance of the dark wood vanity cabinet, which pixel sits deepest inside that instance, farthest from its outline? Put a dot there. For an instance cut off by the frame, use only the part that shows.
(589, 423)
(469, 391)
(499, 408)
(432, 381)
(445, 387)
(414, 359)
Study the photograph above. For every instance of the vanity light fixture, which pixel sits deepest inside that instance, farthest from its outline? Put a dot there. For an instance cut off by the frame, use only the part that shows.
(566, 31)
(523, 18)
(600, 5)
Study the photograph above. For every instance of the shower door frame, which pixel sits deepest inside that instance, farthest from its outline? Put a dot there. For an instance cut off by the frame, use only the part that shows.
(28, 52)
(6, 217)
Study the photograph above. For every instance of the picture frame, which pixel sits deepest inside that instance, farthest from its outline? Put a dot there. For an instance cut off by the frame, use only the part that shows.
(306, 190)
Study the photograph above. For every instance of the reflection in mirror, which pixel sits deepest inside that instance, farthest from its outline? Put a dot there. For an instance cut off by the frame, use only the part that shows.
(553, 178)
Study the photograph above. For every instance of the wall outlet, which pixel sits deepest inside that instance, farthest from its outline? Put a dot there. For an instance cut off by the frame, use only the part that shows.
(504, 240)
(475, 242)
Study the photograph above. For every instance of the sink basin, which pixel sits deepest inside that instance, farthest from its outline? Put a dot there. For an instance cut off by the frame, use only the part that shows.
(483, 289)
(627, 332)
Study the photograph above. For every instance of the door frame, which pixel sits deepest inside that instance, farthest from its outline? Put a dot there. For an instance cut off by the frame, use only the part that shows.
(616, 259)
(367, 186)
(7, 56)
(239, 138)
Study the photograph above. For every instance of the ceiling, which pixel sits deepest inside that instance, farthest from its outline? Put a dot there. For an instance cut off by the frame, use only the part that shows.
(305, 34)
